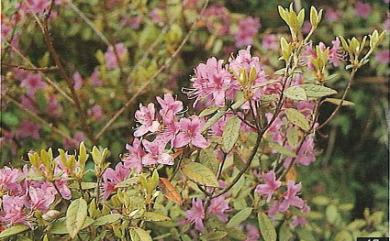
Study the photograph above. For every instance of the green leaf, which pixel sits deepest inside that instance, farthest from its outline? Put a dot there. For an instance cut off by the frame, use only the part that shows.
(41, 100)
(155, 217)
(16, 229)
(321, 200)
(239, 217)
(9, 119)
(285, 233)
(200, 174)
(217, 235)
(75, 216)
(343, 235)
(317, 91)
(230, 133)
(282, 150)
(305, 235)
(107, 219)
(207, 158)
(292, 136)
(338, 101)
(138, 234)
(331, 213)
(297, 118)
(295, 93)
(209, 111)
(266, 227)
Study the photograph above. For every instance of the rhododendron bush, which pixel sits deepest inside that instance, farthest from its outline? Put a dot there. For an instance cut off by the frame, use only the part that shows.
(219, 164)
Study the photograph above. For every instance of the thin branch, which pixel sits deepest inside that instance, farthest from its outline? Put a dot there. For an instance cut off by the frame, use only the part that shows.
(56, 58)
(37, 118)
(341, 102)
(43, 69)
(47, 79)
(149, 81)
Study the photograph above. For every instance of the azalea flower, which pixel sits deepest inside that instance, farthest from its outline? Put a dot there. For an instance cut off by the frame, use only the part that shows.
(383, 56)
(9, 180)
(332, 15)
(95, 78)
(111, 58)
(196, 214)
(133, 159)
(335, 56)
(270, 186)
(252, 233)
(77, 80)
(41, 197)
(218, 207)
(13, 210)
(290, 197)
(96, 112)
(32, 83)
(363, 9)
(169, 104)
(112, 177)
(190, 133)
(247, 29)
(28, 129)
(146, 117)
(155, 153)
(217, 19)
(270, 42)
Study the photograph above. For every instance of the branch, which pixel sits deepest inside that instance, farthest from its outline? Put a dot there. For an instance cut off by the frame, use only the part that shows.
(342, 99)
(149, 81)
(47, 79)
(39, 119)
(43, 69)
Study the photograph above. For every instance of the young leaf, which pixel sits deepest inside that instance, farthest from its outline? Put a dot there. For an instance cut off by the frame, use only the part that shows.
(155, 217)
(239, 217)
(344, 235)
(18, 228)
(138, 234)
(295, 93)
(170, 191)
(285, 233)
(230, 133)
(297, 118)
(338, 101)
(317, 91)
(217, 235)
(266, 227)
(282, 150)
(75, 216)
(107, 219)
(200, 174)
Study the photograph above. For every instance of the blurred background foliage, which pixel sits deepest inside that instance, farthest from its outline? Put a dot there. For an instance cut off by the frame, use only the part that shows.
(348, 184)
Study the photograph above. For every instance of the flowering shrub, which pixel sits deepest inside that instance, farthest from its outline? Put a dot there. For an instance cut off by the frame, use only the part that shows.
(225, 170)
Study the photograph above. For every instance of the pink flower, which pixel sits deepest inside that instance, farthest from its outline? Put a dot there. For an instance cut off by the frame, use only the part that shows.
(28, 129)
(247, 29)
(169, 104)
(386, 24)
(271, 185)
(383, 56)
(270, 42)
(28, 103)
(95, 78)
(306, 27)
(53, 106)
(190, 133)
(363, 9)
(157, 16)
(12, 210)
(133, 22)
(113, 177)
(218, 207)
(41, 197)
(298, 221)
(290, 197)
(77, 80)
(96, 112)
(306, 154)
(32, 83)
(196, 214)
(252, 233)
(75, 141)
(213, 84)
(146, 117)
(332, 15)
(274, 129)
(9, 180)
(335, 56)
(62, 186)
(36, 6)
(133, 159)
(170, 128)
(155, 153)
(111, 58)
(217, 19)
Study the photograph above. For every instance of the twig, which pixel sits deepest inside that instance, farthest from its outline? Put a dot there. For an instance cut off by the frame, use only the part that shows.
(43, 69)
(39, 119)
(149, 81)
(47, 79)
(341, 102)
(56, 58)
